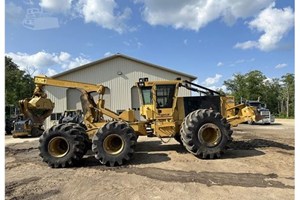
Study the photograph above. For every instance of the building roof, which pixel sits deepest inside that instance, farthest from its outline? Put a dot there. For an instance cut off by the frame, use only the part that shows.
(126, 57)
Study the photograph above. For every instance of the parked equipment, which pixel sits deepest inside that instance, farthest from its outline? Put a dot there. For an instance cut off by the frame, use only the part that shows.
(35, 110)
(24, 127)
(267, 117)
(201, 124)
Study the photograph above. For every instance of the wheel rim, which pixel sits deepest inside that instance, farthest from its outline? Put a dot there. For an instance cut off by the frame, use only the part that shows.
(210, 134)
(58, 147)
(113, 144)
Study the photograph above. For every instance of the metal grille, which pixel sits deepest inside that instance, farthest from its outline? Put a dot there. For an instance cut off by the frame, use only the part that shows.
(265, 113)
(19, 126)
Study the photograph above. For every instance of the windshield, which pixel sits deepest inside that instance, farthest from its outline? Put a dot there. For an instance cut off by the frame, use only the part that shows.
(164, 96)
(256, 104)
(147, 95)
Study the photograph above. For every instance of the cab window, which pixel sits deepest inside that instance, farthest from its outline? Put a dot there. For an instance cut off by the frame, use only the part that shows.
(164, 96)
(147, 95)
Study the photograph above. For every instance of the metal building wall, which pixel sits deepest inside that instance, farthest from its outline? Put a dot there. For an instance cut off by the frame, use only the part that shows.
(119, 75)
(58, 96)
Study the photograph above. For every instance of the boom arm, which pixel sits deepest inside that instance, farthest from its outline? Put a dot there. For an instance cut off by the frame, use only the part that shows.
(39, 107)
(41, 81)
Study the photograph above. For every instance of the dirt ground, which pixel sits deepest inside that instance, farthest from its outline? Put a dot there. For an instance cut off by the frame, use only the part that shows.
(258, 165)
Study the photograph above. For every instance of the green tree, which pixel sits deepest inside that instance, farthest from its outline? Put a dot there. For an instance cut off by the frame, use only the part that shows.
(272, 95)
(249, 86)
(18, 84)
(288, 95)
(236, 86)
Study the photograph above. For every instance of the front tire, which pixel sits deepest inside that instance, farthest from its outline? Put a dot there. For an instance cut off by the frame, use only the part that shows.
(205, 133)
(114, 143)
(62, 146)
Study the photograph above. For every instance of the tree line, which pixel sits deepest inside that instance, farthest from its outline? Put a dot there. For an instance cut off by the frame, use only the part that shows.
(18, 85)
(277, 93)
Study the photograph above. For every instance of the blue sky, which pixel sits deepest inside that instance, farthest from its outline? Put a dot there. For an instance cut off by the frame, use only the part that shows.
(208, 39)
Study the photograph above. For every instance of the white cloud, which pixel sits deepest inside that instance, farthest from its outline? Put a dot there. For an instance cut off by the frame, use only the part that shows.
(247, 45)
(195, 14)
(282, 65)
(56, 5)
(64, 56)
(103, 14)
(51, 72)
(43, 62)
(212, 80)
(75, 62)
(274, 23)
(108, 54)
(223, 88)
(212, 87)
(220, 64)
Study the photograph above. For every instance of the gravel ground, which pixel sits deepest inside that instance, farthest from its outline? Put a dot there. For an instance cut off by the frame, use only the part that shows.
(258, 165)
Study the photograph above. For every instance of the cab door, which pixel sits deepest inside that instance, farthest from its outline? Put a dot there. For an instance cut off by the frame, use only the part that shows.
(164, 99)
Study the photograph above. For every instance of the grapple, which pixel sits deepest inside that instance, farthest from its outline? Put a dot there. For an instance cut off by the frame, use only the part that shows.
(37, 109)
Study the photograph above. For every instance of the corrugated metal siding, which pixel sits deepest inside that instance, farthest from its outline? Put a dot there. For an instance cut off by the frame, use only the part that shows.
(120, 85)
(58, 96)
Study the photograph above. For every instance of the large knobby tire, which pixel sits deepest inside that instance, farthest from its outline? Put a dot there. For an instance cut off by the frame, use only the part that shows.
(205, 133)
(114, 143)
(62, 145)
(82, 129)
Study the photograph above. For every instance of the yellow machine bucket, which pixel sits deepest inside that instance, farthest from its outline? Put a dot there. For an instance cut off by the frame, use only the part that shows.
(236, 114)
(37, 109)
(243, 114)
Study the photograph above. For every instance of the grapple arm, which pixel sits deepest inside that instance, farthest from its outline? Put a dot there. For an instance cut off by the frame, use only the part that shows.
(37, 109)
(243, 113)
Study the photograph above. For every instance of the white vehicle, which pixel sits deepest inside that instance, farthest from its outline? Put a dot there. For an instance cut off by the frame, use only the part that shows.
(268, 118)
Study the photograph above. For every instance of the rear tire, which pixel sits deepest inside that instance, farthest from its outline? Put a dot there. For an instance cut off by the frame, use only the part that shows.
(114, 143)
(205, 133)
(62, 146)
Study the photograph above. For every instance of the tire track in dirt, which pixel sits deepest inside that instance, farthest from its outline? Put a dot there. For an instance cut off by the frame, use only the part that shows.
(209, 178)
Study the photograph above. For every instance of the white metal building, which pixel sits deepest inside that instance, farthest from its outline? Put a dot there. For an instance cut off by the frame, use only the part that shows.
(118, 73)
